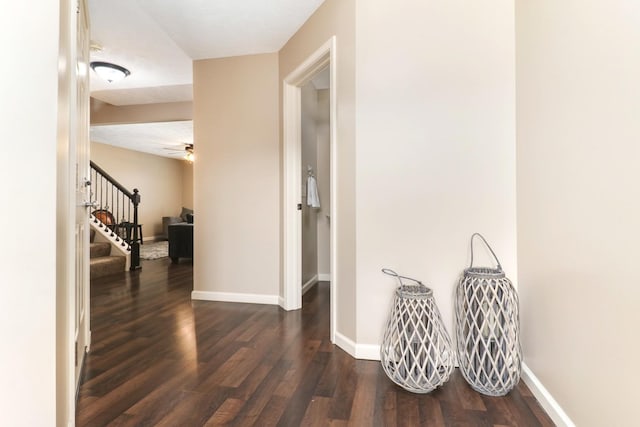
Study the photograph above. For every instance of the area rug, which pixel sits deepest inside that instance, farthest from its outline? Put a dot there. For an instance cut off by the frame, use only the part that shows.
(154, 250)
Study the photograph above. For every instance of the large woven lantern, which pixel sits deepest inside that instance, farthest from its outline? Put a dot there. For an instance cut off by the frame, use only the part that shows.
(416, 351)
(487, 328)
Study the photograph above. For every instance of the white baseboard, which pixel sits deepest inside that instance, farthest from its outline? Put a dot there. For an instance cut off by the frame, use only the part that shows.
(281, 302)
(235, 297)
(324, 277)
(346, 344)
(368, 351)
(548, 403)
(358, 351)
(310, 283)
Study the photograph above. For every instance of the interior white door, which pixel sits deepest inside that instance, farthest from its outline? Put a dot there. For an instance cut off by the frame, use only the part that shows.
(82, 188)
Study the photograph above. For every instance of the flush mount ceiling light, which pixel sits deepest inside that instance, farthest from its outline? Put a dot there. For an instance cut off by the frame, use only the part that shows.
(110, 72)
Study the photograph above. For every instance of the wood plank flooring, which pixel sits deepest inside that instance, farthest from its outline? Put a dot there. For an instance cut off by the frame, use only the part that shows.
(158, 358)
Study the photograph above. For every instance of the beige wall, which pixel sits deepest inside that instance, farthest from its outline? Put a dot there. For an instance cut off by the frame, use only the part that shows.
(435, 146)
(315, 153)
(323, 176)
(335, 17)
(159, 179)
(236, 175)
(187, 185)
(309, 155)
(29, 109)
(578, 137)
(103, 113)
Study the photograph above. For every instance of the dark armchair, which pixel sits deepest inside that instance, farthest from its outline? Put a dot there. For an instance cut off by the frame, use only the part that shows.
(185, 216)
(180, 241)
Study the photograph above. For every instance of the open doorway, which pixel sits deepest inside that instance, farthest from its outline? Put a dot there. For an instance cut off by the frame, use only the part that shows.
(294, 170)
(315, 178)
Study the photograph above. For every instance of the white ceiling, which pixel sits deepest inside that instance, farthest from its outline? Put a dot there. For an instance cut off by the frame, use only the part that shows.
(166, 139)
(157, 40)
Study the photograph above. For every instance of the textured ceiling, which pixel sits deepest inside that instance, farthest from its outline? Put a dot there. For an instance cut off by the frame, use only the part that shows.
(131, 38)
(221, 28)
(157, 41)
(166, 139)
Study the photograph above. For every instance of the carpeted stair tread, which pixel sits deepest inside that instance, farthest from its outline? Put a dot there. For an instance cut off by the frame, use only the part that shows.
(99, 249)
(106, 265)
(101, 263)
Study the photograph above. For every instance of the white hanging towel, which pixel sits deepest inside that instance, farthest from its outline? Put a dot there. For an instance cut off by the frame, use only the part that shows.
(312, 193)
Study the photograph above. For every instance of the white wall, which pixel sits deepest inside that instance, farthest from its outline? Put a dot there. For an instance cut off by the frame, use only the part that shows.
(578, 134)
(435, 145)
(29, 109)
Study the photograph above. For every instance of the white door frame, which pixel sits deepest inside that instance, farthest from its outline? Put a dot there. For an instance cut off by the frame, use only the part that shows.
(322, 58)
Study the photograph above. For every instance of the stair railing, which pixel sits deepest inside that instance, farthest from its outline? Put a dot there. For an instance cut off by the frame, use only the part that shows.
(117, 209)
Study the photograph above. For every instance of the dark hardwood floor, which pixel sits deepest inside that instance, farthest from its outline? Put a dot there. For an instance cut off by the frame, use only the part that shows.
(158, 358)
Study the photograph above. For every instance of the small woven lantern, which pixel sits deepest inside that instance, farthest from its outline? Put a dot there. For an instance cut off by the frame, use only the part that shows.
(416, 351)
(487, 328)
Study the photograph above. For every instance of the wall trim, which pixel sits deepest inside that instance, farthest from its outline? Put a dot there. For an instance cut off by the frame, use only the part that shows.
(357, 351)
(546, 400)
(345, 343)
(324, 277)
(309, 284)
(235, 297)
(368, 352)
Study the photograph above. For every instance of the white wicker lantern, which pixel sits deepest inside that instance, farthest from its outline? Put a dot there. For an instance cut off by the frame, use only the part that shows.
(487, 329)
(416, 351)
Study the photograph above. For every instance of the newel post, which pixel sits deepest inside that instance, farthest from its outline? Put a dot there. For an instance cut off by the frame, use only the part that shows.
(135, 245)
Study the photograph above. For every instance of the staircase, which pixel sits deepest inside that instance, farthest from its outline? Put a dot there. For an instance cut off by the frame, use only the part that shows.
(115, 220)
(101, 262)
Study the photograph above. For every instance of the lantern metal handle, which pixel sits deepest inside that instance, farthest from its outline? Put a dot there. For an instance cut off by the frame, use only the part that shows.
(402, 285)
(390, 272)
(489, 247)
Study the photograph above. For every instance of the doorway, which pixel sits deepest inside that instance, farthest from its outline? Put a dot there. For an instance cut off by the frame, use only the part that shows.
(322, 59)
(315, 178)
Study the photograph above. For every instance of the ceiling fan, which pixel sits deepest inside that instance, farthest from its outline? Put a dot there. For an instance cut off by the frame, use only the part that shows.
(186, 150)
